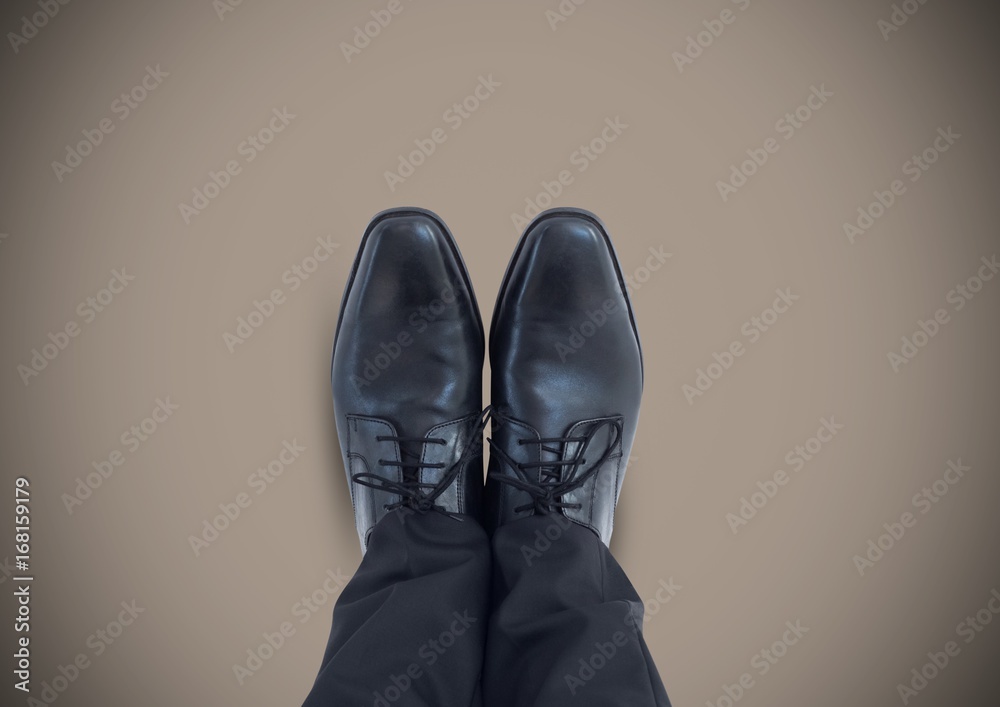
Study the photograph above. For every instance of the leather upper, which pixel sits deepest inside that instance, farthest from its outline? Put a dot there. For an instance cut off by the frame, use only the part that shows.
(566, 363)
(407, 362)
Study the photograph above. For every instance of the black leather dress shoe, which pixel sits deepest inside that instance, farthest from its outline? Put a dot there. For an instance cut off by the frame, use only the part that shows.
(567, 376)
(407, 373)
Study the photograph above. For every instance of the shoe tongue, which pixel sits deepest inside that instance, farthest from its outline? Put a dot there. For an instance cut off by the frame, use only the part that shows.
(553, 452)
(410, 453)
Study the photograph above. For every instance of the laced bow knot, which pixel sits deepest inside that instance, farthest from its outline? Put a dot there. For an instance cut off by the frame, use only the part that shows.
(558, 477)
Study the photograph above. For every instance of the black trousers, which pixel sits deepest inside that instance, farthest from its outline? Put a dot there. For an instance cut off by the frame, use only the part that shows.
(437, 617)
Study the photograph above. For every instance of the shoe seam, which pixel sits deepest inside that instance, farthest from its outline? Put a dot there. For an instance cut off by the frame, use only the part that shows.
(460, 477)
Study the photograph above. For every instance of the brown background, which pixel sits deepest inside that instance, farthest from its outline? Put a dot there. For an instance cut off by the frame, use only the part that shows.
(654, 187)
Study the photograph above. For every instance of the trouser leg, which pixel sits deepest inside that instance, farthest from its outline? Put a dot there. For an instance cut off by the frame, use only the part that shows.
(409, 627)
(566, 624)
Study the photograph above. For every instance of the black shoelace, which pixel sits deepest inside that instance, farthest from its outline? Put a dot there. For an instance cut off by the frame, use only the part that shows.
(555, 478)
(415, 495)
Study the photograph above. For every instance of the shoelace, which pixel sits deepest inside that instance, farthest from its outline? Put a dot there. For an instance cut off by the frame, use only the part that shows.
(556, 478)
(415, 495)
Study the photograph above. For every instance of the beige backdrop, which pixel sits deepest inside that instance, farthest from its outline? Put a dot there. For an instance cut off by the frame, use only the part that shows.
(200, 79)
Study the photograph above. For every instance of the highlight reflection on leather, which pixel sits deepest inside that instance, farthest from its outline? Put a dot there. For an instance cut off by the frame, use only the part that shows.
(407, 363)
(565, 357)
